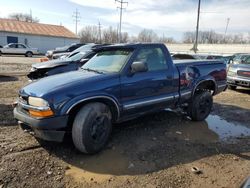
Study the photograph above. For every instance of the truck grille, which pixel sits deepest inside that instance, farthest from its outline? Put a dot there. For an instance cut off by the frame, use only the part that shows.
(24, 100)
(243, 73)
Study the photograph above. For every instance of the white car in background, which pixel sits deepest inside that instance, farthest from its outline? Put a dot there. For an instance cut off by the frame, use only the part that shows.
(19, 49)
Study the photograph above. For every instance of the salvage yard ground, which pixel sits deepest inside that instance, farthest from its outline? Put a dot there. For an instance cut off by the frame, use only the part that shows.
(157, 150)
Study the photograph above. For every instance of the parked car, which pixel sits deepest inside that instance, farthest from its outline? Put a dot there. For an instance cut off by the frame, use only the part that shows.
(70, 63)
(60, 51)
(119, 83)
(239, 72)
(18, 49)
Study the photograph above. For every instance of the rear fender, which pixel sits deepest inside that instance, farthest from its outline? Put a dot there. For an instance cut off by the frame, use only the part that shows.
(207, 82)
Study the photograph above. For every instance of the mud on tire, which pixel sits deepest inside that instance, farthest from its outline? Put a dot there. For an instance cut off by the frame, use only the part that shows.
(201, 105)
(92, 127)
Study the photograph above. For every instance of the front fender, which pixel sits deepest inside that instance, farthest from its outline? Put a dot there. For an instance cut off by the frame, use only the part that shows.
(79, 99)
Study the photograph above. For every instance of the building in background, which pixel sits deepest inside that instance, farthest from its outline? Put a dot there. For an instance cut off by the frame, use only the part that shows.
(37, 35)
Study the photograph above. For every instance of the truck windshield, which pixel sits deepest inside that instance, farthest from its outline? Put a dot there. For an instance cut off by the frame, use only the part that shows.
(77, 57)
(108, 60)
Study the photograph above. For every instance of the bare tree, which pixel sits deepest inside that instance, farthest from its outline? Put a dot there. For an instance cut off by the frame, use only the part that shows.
(23, 17)
(147, 35)
(124, 37)
(110, 35)
(164, 39)
(89, 34)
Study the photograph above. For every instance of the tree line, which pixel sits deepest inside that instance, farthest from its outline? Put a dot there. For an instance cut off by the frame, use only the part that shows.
(211, 37)
(110, 35)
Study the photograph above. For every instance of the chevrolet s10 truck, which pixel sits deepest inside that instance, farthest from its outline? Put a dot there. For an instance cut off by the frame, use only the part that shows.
(119, 83)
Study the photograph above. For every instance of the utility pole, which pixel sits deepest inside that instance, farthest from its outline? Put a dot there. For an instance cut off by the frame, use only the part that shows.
(31, 19)
(76, 18)
(121, 9)
(100, 32)
(228, 20)
(195, 47)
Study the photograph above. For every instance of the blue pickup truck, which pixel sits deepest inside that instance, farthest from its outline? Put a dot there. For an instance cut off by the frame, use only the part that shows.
(119, 83)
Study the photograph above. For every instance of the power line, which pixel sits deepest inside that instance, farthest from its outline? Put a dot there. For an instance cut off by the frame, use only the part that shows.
(121, 9)
(76, 18)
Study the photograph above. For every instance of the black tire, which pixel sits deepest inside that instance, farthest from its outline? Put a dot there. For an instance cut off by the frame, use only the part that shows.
(92, 127)
(232, 87)
(201, 106)
(0, 53)
(28, 54)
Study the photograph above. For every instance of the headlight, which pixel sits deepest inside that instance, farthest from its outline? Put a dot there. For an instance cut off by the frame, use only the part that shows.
(40, 108)
(231, 73)
(35, 101)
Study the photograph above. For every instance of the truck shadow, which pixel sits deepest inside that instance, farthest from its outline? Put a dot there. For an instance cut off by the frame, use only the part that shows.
(156, 142)
(242, 90)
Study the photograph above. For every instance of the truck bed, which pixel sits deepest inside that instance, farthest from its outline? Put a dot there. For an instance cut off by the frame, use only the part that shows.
(196, 62)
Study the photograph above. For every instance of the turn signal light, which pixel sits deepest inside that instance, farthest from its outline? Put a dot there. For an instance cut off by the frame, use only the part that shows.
(46, 113)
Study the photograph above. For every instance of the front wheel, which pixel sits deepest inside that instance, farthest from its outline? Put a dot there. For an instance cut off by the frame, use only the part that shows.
(201, 106)
(92, 127)
(28, 54)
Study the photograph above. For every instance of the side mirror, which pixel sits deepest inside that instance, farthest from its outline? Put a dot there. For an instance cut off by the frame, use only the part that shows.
(139, 66)
(84, 60)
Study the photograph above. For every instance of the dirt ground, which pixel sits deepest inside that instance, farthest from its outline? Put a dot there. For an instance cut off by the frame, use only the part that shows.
(157, 150)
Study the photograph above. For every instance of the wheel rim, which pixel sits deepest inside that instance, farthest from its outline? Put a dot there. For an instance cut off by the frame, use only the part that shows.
(99, 128)
(204, 106)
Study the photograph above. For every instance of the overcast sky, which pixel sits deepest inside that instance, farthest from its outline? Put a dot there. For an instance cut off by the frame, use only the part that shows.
(168, 17)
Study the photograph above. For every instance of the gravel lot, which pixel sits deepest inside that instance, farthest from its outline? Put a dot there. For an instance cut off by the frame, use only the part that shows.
(157, 150)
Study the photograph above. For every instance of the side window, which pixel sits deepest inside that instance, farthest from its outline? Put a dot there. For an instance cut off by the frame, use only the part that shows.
(248, 60)
(21, 46)
(12, 46)
(153, 57)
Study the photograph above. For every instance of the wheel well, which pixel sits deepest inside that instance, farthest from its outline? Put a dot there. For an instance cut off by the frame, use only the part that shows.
(76, 108)
(29, 51)
(206, 85)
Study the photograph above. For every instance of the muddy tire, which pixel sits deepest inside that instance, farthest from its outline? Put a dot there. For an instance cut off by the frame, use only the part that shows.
(232, 87)
(201, 106)
(28, 54)
(92, 128)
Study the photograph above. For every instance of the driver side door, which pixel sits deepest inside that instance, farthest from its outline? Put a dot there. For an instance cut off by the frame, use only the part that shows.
(144, 91)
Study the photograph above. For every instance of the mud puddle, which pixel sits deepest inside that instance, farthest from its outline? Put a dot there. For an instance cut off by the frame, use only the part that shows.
(213, 129)
(226, 130)
(100, 167)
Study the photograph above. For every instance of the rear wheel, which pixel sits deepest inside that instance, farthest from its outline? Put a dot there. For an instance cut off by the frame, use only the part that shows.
(92, 127)
(232, 87)
(28, 54)
(201, 106)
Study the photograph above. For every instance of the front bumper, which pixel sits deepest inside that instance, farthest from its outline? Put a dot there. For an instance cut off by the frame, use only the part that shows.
(238, 81)
(50, 129)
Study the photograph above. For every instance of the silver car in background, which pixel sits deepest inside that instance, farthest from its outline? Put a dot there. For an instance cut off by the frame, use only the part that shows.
(238, 73)
(19, 49)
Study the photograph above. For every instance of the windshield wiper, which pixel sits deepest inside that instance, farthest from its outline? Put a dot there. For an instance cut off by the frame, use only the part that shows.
(92, 70)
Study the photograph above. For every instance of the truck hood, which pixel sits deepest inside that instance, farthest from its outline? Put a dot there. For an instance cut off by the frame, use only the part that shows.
(240, 66)
(51, 63)
(79, 80)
